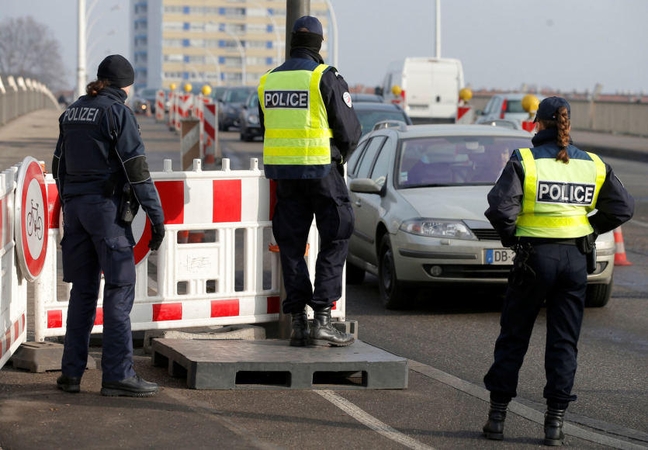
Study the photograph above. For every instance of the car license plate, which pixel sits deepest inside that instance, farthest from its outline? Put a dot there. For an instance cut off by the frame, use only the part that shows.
(499, 256)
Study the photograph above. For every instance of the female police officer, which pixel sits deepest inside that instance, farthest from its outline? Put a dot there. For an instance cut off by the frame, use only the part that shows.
(540, 206)
(99, 156)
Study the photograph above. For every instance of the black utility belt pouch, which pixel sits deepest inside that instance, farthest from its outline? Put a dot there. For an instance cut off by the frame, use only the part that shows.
(587, 246)
(128, 205)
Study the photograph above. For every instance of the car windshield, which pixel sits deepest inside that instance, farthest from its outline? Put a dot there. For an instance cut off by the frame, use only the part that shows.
(514, 106)
(237, 95)
(454, 160)
(368, 118)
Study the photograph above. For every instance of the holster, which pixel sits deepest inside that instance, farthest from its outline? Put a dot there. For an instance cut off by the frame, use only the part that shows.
(587, 246)
(129, 205)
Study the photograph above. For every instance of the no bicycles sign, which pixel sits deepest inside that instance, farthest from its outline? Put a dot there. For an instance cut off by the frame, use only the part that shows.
(31, 222)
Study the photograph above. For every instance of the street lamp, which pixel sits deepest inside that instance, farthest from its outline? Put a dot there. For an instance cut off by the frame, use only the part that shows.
(218, 69)
(335, 33)
(274, 27)
(240, 47)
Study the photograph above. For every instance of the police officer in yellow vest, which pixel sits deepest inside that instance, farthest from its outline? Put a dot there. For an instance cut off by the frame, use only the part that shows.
(540, 206)
(309, 129)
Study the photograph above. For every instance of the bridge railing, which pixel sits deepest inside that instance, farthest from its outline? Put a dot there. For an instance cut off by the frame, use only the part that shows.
(20, 96)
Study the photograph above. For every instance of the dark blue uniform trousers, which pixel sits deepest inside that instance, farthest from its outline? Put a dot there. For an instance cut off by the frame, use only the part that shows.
(96, 241)
(561, 279)
(297, 202)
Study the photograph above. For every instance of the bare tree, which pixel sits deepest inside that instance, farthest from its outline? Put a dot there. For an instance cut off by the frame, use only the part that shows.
(29, 49)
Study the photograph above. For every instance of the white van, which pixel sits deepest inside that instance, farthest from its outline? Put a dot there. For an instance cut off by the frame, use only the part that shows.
(426, 88)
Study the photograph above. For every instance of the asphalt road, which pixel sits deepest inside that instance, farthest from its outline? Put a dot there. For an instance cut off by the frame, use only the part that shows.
(448, 339)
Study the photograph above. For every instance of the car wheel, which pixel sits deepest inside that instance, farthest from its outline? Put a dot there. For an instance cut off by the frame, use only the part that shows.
(392, 292)
(598, 295)
(354, 274)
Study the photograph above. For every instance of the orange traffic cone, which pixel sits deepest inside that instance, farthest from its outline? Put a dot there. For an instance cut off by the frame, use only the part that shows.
(620, 254)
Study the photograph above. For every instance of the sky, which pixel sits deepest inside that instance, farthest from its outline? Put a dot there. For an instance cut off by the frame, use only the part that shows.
(566, 45)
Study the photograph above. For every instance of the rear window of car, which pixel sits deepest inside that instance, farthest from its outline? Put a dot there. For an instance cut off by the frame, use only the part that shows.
(369, 118)
(455, 160)
(514, 106)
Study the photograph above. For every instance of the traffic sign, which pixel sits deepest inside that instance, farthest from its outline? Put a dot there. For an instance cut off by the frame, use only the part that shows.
(31, 218)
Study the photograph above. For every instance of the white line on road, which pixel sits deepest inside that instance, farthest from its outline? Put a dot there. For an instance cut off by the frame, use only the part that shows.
(371, 422)
(638, 223)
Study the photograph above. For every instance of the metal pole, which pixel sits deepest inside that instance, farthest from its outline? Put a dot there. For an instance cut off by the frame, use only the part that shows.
(335, 34)
(294, 10)
(438, 28)
(81, 56)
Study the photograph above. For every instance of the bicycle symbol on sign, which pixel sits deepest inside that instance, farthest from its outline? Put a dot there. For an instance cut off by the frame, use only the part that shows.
(34, 221)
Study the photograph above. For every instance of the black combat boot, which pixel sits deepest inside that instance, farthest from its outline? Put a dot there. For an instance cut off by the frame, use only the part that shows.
(494, 427)
(299, 333)
(324, 333)
(553, 426)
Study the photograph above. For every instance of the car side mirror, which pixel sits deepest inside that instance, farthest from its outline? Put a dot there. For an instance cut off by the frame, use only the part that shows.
(365, 186)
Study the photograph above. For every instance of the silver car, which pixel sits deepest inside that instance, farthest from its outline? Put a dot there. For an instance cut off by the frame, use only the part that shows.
(419, 196)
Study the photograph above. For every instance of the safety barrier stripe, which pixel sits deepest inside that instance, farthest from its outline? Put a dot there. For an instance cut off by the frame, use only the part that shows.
(12, 337)
(215, 265)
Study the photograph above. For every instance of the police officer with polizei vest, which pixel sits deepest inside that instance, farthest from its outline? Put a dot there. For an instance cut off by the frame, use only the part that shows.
(102, 175)
(309, 129)
(540, 206)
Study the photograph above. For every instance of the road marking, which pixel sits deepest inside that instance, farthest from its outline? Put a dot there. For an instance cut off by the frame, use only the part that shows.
(518, 408)
(638, 223)
(371, 422)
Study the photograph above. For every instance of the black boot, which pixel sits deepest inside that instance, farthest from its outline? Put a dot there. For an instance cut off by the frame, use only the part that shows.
(299, 333)
(494, 427)
(324, 333)
(553, 425)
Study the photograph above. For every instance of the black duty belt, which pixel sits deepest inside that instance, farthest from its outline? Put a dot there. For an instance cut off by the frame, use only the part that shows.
(541, 241)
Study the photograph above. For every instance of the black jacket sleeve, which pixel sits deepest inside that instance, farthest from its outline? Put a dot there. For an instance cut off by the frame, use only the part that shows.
(341, 115)
(505, 201)
(614, 205)
(130, 151)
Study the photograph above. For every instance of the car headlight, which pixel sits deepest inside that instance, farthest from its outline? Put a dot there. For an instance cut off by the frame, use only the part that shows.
(451, 229)
(253, 119)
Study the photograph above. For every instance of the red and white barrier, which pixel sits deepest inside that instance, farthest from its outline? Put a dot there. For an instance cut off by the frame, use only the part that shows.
(13, 288)
(214, 267)
(160, 100)
(210, 133)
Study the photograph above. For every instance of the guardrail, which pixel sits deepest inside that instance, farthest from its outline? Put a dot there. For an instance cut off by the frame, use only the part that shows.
(601, 116)
(20, 96)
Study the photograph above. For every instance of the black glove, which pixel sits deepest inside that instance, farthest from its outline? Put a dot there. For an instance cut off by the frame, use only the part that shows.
(509, 241)
(157, 236)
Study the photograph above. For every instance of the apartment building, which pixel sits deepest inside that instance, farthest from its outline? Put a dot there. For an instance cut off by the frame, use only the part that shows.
(215, 42)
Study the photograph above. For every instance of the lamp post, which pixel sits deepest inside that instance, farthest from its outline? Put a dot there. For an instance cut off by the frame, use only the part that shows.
(335, 33)
(274, 27)
(218, 69)
(241, 50)
(81, 51)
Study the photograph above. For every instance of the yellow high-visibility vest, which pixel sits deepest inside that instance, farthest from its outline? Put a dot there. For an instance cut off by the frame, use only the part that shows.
(558, 196)
(296, 124)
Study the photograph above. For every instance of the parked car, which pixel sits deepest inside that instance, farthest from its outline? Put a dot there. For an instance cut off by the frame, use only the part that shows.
(229, 107)
(504, 107)
(249, 124)
(371, 98)
(419, 196)
(370, 113)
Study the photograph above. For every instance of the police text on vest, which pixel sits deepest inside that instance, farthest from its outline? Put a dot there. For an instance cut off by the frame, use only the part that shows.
(568, 193)
(80, 114)
(286, 99)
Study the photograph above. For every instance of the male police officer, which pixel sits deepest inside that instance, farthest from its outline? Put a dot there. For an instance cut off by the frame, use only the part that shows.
(310, 128)
(98, 157)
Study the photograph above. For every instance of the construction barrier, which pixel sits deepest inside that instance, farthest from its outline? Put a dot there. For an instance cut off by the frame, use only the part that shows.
(160, 100)
(190, 148)
(620, 254)
(210, 150)
(214, 266)
(13, 287)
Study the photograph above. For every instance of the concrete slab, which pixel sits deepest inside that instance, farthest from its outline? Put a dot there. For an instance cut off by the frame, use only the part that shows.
(245, 332)
(273, 364)
(42, 356)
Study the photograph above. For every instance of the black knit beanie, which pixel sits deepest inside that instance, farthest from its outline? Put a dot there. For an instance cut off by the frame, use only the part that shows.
(117, 70)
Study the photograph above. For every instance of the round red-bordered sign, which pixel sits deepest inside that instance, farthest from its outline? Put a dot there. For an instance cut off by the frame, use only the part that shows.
(141, 227)
(32, 218)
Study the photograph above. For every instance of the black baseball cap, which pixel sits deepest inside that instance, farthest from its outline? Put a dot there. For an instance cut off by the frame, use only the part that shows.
(549, 107)
(310, 23)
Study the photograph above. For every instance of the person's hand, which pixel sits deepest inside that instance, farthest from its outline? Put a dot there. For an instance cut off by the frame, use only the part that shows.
(157, 236)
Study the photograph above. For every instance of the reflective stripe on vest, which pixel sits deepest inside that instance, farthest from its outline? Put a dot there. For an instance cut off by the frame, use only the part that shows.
(296, 123)
(558, 209)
